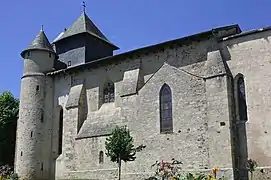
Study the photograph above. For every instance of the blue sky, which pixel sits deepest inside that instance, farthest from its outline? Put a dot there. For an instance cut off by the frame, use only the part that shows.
(129, 24)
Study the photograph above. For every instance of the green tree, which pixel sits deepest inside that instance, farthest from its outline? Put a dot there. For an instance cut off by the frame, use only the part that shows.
(251, 167)
(120, 146)
(9, 108)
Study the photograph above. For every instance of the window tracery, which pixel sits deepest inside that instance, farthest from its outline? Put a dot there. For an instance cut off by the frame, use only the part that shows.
(109, 93)
(166, 124)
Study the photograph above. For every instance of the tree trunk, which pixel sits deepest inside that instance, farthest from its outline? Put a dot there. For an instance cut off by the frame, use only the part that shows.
(119, 166)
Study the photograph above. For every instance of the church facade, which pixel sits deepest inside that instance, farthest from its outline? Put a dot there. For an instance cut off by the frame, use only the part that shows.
(203, 100)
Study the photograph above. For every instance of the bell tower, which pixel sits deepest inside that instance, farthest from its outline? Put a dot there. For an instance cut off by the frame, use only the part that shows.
(39, 59)
(83, 42)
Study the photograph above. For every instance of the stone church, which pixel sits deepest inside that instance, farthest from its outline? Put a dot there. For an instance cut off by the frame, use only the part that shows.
(203, 99)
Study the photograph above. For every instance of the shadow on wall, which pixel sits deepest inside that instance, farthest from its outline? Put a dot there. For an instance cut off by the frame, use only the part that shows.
(239, 135)
(59, 109)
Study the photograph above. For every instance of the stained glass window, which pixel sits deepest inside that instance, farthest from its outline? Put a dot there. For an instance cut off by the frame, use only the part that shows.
(166, 125)
(109, 93)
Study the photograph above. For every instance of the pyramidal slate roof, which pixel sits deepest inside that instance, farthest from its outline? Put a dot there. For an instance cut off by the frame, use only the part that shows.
(84, 25)
(40, 42)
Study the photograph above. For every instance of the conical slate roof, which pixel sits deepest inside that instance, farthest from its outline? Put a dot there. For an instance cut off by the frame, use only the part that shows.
(84, 25)
(40, 42)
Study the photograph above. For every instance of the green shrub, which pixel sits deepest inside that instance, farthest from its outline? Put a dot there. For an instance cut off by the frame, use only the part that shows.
(7, 173)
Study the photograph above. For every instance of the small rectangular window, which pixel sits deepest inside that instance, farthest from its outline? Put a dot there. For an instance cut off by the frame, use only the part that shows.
(69, 63)
(50, 55)
(28, 54)
(222, 123)
(37, 88)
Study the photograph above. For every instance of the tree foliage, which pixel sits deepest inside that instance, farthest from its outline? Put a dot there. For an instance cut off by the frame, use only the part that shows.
(9, 108)
(120, 146)
(7, 173)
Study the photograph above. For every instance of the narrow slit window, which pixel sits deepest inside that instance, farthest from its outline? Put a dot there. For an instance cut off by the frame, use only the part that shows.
(41, 116)
(37, 88)
(101, 157)
(28, 54)
(166, 124)
(60, 131)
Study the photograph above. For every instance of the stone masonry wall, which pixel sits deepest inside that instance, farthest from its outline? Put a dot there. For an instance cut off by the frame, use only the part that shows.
(251, 56)
(181, 67)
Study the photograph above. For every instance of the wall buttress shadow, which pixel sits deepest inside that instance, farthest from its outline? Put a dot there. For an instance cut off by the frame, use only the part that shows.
(241, 154)
(239, 134)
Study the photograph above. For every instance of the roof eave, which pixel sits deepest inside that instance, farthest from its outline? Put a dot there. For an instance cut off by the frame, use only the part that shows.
(246, 33)
(66, 37)
(194, 37)
(37, 49)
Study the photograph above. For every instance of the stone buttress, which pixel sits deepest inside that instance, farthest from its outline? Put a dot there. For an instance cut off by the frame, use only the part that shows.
(218, 92)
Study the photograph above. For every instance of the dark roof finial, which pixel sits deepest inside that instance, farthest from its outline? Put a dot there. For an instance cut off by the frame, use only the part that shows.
(41, 28)
(84, 6)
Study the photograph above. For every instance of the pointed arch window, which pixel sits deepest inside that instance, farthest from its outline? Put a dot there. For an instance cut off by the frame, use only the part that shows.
(109, 93)
(166, 124)
(60, 131)
(101, 157)
(241, 98)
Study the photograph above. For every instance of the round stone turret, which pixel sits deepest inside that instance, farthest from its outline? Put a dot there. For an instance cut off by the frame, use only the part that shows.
(40, 53)
(39, 59)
